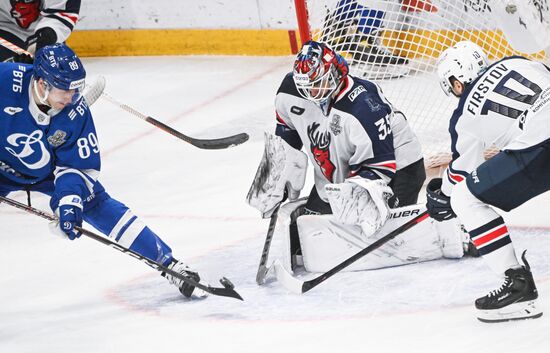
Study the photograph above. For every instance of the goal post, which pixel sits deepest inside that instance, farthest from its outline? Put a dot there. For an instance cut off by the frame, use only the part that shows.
(396, 43)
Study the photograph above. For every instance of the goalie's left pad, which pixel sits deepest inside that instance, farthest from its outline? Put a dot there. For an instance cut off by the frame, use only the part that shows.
(282, 170)
(326, 243)
(359, 201)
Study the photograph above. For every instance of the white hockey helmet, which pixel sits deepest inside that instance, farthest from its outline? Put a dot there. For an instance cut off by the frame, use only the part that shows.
(465, 61)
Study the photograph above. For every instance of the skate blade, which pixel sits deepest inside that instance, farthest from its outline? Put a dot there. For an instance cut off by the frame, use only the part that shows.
(517, 311)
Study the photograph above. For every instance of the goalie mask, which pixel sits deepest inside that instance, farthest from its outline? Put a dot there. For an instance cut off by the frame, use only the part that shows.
(318, 72)
(465, 61)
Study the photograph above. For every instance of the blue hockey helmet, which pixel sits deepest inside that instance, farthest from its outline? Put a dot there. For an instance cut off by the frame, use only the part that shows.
(318, 71)
(59, 66)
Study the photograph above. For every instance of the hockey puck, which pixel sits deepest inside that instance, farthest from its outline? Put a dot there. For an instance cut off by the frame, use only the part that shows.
(227, 283)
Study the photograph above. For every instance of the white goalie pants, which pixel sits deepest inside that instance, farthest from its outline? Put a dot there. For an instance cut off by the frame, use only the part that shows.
(326, 243)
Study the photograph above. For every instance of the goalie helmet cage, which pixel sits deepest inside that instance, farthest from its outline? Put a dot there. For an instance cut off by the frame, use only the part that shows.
(396, 43)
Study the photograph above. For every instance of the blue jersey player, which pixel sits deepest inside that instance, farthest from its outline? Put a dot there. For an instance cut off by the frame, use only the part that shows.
(48, 144)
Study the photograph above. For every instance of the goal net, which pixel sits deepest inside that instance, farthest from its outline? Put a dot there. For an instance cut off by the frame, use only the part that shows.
(396, 43)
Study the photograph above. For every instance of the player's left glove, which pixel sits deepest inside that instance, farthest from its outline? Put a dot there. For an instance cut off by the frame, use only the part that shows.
(42, 37)
(70, 215)
(438, 204)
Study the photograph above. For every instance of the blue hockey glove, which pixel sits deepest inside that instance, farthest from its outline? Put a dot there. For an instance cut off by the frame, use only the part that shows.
(70, 215)
(438, 204)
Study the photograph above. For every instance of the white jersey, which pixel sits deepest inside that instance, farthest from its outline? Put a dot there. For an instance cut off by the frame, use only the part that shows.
(361, 135)
(24, 18)
(504, 107)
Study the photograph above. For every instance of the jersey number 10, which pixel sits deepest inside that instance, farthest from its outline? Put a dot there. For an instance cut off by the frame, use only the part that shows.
(501, 89)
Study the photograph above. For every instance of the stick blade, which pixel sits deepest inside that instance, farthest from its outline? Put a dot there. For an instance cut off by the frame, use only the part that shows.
(221, 143)
(288, 281)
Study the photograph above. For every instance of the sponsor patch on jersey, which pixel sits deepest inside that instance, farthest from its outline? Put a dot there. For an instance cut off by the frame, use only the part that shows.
(334, 125)
(58, 138)
(12, 110)
(475, 177)
(357, 91)
(297, 110)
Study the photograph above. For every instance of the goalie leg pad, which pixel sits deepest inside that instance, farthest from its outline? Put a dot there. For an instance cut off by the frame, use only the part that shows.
(281, 236)
(326, 243)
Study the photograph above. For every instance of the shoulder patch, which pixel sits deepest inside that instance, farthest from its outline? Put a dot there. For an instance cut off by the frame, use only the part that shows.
(357, 91)
(335, 126)
(58, 138)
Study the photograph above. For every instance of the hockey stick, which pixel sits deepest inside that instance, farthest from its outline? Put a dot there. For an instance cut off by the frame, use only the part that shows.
(209, 144)
(226, 291)
(14, 48)
(93, 91)
(298, 286)
(262, 268)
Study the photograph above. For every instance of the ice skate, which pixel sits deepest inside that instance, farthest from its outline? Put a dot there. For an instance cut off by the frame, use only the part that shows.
(514, 300)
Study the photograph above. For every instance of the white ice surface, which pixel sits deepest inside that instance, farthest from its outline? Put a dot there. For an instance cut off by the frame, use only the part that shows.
(61, 296)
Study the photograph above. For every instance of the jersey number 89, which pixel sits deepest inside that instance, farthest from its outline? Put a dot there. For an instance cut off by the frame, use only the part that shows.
(87, 145)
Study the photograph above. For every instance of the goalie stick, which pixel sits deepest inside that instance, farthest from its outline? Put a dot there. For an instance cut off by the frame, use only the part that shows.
(298, 286)
(209, 144)
(262, 268)
(226, 291)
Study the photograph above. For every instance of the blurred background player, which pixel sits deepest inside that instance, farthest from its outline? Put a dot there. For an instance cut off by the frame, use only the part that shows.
(505, 105)
(358, 31)
(366, 160)
(49, 145)
(33, 24)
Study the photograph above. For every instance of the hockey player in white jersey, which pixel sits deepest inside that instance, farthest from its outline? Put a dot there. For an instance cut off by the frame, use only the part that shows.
(48, 144)
(366, 160)
(33, 24)
(503, 105)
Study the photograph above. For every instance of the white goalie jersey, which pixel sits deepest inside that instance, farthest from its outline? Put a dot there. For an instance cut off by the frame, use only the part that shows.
(505, 107)
(361, 135)
(23, 18)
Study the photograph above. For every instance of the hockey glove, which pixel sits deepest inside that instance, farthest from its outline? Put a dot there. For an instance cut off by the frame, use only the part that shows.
(281, 173)
(438, 204)
(70, 215)
(21, 58)
(42, 37)
(360, 202)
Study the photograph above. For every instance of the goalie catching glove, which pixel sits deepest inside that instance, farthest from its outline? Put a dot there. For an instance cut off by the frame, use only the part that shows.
(281, 173)
(361, 202)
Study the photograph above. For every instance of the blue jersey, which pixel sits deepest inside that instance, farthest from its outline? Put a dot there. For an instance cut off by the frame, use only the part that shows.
(35, 146)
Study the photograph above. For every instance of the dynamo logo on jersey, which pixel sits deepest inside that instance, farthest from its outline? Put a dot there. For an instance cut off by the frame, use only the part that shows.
(29, 156)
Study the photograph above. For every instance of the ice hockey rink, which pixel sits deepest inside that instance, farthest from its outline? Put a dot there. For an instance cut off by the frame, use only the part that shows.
(81, 296)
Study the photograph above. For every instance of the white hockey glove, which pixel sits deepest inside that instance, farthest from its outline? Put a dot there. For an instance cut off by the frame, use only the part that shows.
(359, 201)
(282, 170)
